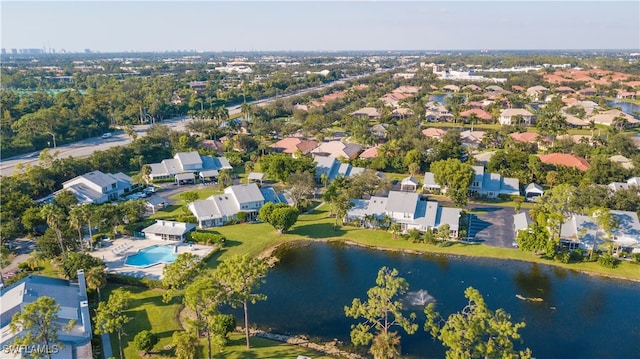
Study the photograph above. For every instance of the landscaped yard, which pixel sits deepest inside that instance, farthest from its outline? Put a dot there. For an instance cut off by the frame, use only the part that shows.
(149, 312)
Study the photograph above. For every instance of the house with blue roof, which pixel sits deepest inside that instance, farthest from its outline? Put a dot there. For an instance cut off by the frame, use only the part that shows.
(74, 305)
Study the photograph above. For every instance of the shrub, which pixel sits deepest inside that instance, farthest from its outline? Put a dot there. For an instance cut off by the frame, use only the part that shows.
(145, 340)
(608, 261)
(636, 257)
(563, 256)
(242, 216)
(210, 238)
(577, 255)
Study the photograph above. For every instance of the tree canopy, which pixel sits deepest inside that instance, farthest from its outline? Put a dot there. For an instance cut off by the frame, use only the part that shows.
(476, 331)
(455, 176)
(381, 312)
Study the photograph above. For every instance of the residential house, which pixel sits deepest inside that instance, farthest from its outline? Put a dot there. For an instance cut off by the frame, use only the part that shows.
(96, 187)
(451, 88)
(333, 168)
(411, 210)
(379, 131)
(407, 89)
(478, 113)
(493, 88)
(521, 222)
(198, 86)
(492, 185)
(483, 158)
(409, 184)
(580, 231)
(212, 145)
(368, 112)
(436, 111)
(291, 145)
(536, 93)
(219, 209)
(401, 112)
(626, 163)
(565, 159)
(337, 149)
(574, 121)
(369, 153)
(154, 204)
(512, 116)
(430, 184)
(532, 192)
(631, 182)
(530, 138)
(565, 90)
(590, 91)
(189, 162)
(471, 138)
(168, 230)
(393, 99)
(74, 306)
(433, 132)
(608, 118)
(472, 87)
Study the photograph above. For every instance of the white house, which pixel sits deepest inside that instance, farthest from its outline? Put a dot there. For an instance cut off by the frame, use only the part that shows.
(411, 210)
(409, 184)
(508, 116)
(491, 185)
(333, 168)
(219, 209)
(97, 187)
(532, 192)
(430, 184)
(189, 162)
(74, 306)
(168, 230)
(581, 231)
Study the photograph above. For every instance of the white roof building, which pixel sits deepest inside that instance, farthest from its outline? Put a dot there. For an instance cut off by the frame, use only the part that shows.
(74, 305)
(582, 232)
(97, 187)
(188, 162)
(409, 209)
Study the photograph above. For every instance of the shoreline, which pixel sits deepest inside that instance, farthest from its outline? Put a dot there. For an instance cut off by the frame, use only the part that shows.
(268, 254)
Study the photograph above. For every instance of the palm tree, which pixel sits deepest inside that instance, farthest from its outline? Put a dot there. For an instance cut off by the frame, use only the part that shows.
(34, 260)
(246, 110)
(324, 178)
(76, 217)
(592, 127)
(395, 229)
(54, 215)
(96, 278)
(224, 178)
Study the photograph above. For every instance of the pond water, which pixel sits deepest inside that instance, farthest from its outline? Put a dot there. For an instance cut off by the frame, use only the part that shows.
(626, 107)
(581, 316)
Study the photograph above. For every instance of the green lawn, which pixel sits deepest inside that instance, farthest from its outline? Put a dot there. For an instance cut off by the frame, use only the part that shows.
(264, 348)
(147, 312)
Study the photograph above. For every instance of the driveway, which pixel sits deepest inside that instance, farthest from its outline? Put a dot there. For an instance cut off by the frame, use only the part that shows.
(491, 225)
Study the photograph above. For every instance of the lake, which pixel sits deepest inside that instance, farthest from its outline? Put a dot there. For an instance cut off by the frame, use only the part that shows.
(581, 316)
(626, 107)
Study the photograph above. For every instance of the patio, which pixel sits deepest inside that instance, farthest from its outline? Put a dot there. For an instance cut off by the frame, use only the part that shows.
(114, 253)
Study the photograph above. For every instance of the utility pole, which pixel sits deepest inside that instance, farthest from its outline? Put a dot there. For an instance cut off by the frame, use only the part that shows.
(54, 139)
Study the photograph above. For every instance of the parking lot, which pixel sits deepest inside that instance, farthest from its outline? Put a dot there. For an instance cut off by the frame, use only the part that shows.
(490, 225)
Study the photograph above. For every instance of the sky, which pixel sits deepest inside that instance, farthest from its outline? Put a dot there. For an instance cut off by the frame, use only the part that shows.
(114, 26)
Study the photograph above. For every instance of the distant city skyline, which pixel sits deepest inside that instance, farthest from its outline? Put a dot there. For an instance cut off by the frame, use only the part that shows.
(117, 26)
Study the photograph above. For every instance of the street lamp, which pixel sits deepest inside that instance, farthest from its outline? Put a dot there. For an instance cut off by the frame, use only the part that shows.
(54, 139)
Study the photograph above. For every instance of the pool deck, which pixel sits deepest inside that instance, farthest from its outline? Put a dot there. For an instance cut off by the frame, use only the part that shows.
(114, 259)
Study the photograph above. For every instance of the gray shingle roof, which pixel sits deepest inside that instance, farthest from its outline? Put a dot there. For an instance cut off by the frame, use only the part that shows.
(169, 228)
(245, 193)
(189, 159)
(402, 202)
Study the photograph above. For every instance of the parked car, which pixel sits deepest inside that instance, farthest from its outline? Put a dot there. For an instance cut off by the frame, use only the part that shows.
(106, 135)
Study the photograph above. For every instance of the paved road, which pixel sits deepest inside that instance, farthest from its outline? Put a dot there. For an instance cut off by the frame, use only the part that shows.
(492, 225)
(86, 147)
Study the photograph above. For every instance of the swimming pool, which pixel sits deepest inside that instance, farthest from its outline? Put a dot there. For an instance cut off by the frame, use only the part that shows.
(151, 256)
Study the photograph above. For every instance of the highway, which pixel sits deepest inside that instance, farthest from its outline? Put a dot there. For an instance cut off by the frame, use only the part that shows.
(86, 147)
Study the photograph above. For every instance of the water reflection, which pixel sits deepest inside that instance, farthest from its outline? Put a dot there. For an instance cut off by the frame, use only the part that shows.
(310, 286)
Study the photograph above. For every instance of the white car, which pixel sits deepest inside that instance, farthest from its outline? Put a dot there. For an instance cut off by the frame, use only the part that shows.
(106, 135)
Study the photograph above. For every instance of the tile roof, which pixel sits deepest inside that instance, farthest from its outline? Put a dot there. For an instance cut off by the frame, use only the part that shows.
(481, 114)
(370, 153)
(564, 159)
(433, 132)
